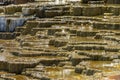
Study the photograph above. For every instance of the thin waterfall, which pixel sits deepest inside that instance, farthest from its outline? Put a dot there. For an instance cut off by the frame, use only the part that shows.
(15, 23)
(3, 24)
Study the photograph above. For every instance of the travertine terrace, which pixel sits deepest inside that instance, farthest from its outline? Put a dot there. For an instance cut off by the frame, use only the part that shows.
(60, 40)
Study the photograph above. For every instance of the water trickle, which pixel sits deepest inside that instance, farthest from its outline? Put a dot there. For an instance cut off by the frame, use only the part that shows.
(3, 24)
(15, 23)
(58, 2)
(68, 36)
(103, 53)
(2, 58)
(91, 25)
(63, 30)
(82, 27)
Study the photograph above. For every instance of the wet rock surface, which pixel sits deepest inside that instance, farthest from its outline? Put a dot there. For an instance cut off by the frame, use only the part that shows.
(51, 41)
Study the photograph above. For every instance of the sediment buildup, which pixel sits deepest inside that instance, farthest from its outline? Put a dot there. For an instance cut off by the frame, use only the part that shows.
(67, 41)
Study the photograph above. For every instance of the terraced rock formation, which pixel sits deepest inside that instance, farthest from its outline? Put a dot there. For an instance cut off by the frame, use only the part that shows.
(49, 41)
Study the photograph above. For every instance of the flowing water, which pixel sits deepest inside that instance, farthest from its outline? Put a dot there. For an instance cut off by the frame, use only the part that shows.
(60, 73)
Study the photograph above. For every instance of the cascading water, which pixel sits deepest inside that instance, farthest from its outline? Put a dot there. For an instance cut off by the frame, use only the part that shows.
(9, 25)
(3, 24)
(16, 23)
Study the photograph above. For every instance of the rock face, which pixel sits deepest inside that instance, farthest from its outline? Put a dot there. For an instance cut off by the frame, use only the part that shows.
(86, 1)
(20, 1)
(113, 1)
(40, 12)
(10, 10)
(106, 1)
(28, 11)
(15, 2)
(58, 43)
(88, 72)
